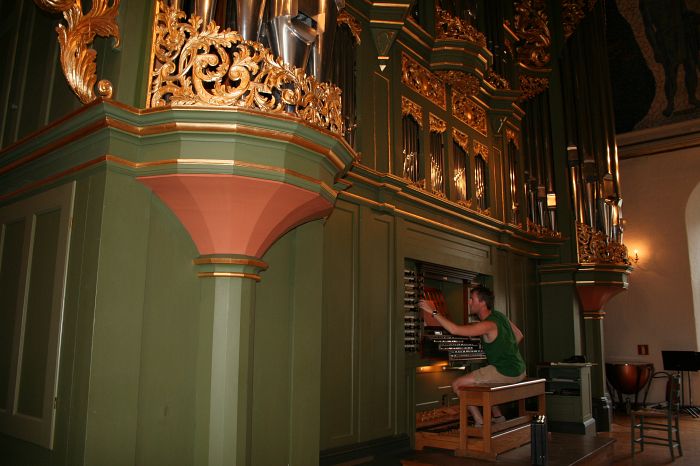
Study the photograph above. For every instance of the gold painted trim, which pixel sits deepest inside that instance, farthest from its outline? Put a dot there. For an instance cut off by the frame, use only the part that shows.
(109, 122)
(562, 282)
(252, 276)
(599, 282)
(230, 261)
(450, 211)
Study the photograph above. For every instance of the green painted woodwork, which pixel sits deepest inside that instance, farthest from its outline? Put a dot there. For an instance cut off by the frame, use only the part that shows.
(12, 240)
(288, 328)
(38, 313)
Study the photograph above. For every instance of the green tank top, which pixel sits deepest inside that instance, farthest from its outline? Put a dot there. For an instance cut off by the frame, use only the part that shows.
(503, 352)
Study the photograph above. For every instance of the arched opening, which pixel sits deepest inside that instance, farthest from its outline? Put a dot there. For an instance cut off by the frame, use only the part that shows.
(692, 223)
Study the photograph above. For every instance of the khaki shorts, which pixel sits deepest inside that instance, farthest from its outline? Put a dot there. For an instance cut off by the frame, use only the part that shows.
(489, 374)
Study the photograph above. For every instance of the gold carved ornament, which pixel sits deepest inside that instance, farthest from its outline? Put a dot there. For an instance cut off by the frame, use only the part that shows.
(531, 27)
(196, 64)
(460, 81)
(512, 136)
(451, 27)
(75, 39)
(541, 231)
(483, 149)
(594, 247)
(496, 80)
(572, 12)
(461, 139)
(531, 86)
(352, 23)
(469, 112)
(408, 107)
(436, 124)
(422, 81)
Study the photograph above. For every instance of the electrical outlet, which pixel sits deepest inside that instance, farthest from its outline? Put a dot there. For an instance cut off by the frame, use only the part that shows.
(643, 350)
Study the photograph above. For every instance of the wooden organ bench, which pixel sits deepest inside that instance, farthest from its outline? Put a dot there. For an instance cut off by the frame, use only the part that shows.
(489, 440)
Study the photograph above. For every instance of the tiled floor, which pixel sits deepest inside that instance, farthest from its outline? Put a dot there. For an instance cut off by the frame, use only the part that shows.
(654, 455)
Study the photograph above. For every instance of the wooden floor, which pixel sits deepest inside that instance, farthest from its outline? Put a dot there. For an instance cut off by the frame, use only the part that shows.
(655, 455)
(651, 456)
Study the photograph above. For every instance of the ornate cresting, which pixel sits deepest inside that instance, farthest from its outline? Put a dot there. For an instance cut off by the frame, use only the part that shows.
(77, 58)
(531, 27)
(596, 247)
(572, 12)
(197, 64)
(408, 107)
(421, 80)
(353, 24)
(465, 83)
(451, 27)
(532, 86)
(469, 112)
(542, 231)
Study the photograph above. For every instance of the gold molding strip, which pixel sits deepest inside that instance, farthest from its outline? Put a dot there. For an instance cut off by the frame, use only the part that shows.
(109, 122)
(139, 165)
(77, 56)
(419, 79)
(230, 261)
(469, 112)
(435, 205)
(197, 64)
(409, 107)
(436, 125)
(252, 276)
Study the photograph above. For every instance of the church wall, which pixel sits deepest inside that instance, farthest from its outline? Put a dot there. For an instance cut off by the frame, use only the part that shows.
(658, 308)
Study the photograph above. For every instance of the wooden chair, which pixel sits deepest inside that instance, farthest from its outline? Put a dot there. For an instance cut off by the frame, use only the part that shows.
(662, 417)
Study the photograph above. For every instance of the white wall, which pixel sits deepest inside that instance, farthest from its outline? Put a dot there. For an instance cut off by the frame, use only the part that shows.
(658, 308)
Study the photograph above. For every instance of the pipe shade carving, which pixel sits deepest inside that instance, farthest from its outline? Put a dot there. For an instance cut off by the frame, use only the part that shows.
(75, 39)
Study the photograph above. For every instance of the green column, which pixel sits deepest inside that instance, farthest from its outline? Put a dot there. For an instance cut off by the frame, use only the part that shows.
(225, 359)
(602, 406)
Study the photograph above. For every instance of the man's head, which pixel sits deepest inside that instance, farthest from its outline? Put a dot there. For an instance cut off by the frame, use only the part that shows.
(480, 297)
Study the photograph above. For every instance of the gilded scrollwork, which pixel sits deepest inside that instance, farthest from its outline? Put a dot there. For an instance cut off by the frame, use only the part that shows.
(197, 64)
(483, 149)
(531, 86)
(352, 23)
(461, 139)
(436, 124)
(541, 231)
(572, 12)
(421, 80)
(531, 27)
(594, 247)
(496, 80)
(452, 27)
(465, 83)
(409, 107)
(75, 40)
(469, 112)
(512, 136)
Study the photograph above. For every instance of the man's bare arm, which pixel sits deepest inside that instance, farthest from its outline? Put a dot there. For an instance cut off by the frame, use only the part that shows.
(516, 331)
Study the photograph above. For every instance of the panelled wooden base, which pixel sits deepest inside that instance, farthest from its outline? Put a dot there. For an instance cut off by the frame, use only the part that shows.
(489, 440)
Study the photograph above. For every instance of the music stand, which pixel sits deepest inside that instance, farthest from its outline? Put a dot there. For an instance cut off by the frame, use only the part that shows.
(683, 361)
